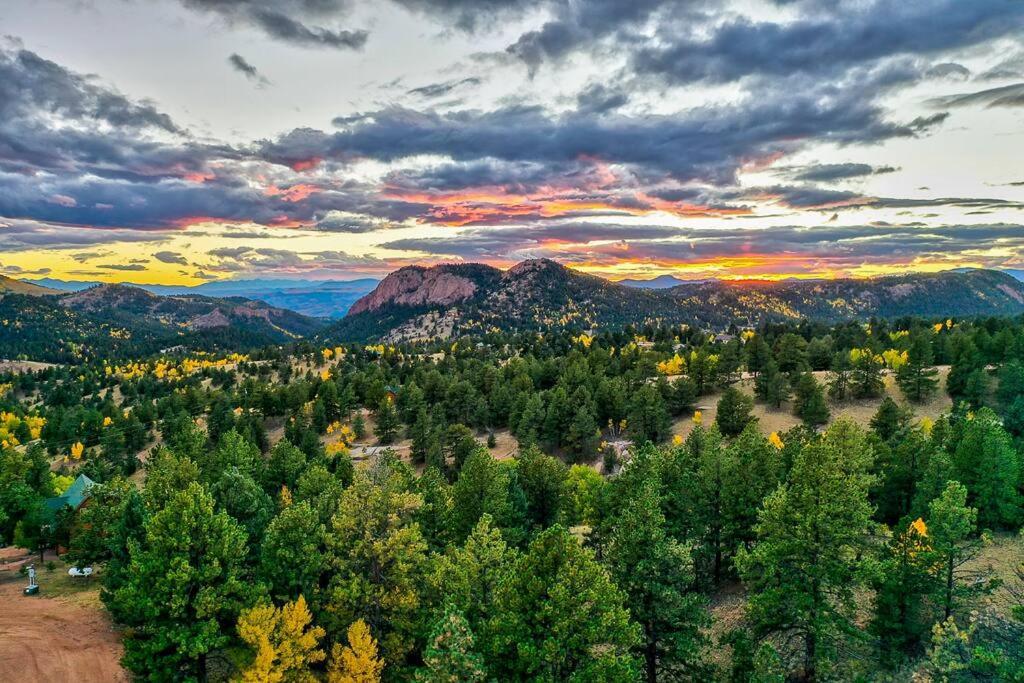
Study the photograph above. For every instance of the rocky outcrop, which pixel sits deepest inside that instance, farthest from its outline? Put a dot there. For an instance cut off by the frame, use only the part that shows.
(214, 318)
(417, 286)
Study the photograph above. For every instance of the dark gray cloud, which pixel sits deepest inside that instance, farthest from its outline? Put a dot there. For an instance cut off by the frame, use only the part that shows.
(445, 87)
(581, 24)
(129, 267)
(351, 223)
(796, 248)
(239, 64)
(1006, 96)
(709, 143)
(29, 83)
(245, 259)
(1010, 68)
(598, 98)
(170, 257)
(949, 70)
(836, 37)
(298, 22)
(521, 241)
(824, 173)
(470, 15)
(23, 235)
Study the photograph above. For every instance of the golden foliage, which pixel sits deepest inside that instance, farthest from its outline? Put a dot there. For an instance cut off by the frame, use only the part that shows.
(77, 449)
(673, 366)
(285, 642)
(920, 527)
(10, 423)
(894, 359)
(698, 417)
(775, 440)
(358, 661)
(585, 340)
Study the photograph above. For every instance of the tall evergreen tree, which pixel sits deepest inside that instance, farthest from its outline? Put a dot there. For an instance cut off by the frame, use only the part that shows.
(656, 574)
(186, 587)
(809, 401)
(558, 616)
(812, 534)
(903, 580)
(734, 412)
(451, 655)
(952, 545)
(917, 378)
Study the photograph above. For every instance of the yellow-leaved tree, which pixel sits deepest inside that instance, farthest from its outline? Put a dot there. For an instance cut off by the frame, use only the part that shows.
(356, 662)
(285, 642)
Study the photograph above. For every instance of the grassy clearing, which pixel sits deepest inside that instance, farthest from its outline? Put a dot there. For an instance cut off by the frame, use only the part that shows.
(779, 420)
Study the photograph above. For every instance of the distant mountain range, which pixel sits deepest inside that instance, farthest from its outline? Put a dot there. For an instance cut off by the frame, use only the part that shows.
(40, 322)
(449, 300)
(120, 320)
(317, 298)
(660, 282)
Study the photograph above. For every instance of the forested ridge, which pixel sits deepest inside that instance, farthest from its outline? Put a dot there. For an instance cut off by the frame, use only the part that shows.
(557, 506)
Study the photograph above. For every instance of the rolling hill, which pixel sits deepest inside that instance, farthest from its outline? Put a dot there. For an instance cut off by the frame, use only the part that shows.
(449, 300)
(316, 298)
(8, 285)
(120, 320)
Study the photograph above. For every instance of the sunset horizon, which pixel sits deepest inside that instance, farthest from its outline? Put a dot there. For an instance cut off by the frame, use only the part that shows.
(338, 140)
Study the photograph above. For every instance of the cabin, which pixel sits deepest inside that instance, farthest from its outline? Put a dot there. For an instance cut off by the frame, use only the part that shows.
(76, 497)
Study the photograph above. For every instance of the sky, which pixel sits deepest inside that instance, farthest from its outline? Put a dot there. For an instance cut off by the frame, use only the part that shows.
(183, 141)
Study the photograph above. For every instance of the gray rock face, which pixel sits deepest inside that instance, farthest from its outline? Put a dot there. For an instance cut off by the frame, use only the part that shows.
(417, 286)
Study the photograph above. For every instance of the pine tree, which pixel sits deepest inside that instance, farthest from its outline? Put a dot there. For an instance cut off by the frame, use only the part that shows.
(917, 378)
(656, 573)
(889, 420)
(468, 577)
(900, 621)
(186, 586)
(542, 479)
(771, 386)
(952, 526)
(985, 461)
(483, 487)
(584, 436)
(386, 418)
(734, 412)
(451, 656)
(457, 445)
(758, 354)
(791, 353)
(285, 464)
(811, 533)
(375, 528)
(648, 417)
(809, 401)
(292, 559)
(358, 661)
(866, 374)
(558, 616)
(840, 379)
(751, 469)
(531, 422)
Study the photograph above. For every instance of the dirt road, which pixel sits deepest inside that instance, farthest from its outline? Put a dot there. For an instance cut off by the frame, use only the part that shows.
(55, 638)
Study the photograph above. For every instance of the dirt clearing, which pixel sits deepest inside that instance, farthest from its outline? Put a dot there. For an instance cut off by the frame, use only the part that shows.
(60, 635)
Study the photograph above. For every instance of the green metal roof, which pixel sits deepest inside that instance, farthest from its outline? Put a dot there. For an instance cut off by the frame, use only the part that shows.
(73, 497)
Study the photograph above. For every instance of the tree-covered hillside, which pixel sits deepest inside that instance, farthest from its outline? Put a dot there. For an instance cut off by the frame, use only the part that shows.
(530, 507)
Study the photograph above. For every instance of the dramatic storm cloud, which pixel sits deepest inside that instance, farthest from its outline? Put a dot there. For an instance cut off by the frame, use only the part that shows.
(707, 137)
